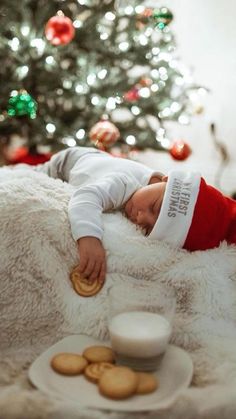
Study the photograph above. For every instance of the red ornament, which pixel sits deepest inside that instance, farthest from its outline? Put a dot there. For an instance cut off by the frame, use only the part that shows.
(142, 18)
(59, 30)
(132, 95)
(104, 134)
(180, 150)
(22, 155)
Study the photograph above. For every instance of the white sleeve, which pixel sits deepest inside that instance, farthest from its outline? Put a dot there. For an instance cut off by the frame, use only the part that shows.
(88, 203)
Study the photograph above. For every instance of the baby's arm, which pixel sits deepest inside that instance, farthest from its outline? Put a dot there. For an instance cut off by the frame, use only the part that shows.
(85, 213)
(58, 167)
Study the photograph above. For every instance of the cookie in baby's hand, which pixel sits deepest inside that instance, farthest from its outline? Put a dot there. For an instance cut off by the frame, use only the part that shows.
(68, 363)
(83, 286)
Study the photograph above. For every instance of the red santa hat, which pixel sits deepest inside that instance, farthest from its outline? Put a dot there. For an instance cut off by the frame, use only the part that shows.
(194, 215)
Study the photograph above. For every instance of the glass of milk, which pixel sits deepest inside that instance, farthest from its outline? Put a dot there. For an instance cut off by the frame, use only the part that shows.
(140, 323)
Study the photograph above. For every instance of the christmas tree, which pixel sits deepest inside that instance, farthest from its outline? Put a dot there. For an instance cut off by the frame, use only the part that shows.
(66, 65)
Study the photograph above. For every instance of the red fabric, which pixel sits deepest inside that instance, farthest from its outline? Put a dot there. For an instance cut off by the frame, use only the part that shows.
(214, 220)
(22, 155)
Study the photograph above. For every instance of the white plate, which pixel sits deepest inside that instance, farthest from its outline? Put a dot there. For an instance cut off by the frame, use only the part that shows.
(174, 375)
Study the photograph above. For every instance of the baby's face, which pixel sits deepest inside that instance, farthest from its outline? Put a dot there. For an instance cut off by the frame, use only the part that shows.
(144, 206)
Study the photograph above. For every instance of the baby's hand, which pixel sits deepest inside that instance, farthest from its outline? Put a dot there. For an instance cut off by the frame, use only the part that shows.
(92, 263)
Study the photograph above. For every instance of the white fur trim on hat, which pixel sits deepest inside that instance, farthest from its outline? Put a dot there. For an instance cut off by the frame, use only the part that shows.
(177, 208)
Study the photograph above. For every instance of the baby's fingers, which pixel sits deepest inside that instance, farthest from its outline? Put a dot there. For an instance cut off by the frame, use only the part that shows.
(89, 268)
(96, 271)
(82, 264)
(102, 274)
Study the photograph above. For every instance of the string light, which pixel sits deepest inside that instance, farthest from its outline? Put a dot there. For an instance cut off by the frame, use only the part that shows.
(39, 44)
(77, 23)
(139, 9)
(155, 51)
(164, 76)
(51, 128)
(25, 30)
(14, 44)
(143, 40)
(104, 36)
(161, 132)
(130, 139)
(95, 100)
(119, 99)
(14, 93)
(148, 32)
(124, 46)
(154, 87)
(79, 88)
(129, 10)
(70, 141)
(67, 84)
(111, 103)
(155, 74)
(162, 71)
(135, 110)
(165, 142)
(80, 134)
(165, 113)
(91, 79)
(110, 16)
(50, 60)
(144, 92)
(102, 74)
(22, 71)
(161, 138)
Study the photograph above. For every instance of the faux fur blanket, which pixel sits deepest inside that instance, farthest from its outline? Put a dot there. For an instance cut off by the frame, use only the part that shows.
(38, 305)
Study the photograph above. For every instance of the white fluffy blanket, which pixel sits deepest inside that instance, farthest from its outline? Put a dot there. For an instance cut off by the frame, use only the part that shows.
(38, 305)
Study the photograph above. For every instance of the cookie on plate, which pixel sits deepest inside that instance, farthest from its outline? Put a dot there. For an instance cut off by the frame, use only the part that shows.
(98, 353)
(147, 383)
(83, 286)
(68, 363)
(118, 383)
(94, 371)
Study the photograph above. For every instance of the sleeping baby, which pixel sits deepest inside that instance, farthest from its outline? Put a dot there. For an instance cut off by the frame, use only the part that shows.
(180, 209)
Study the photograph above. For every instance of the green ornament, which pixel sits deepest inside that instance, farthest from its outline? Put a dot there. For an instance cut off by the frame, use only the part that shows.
(162, 17)
(22, 104)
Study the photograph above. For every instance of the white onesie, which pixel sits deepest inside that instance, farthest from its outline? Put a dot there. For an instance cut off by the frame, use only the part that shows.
(102, 183)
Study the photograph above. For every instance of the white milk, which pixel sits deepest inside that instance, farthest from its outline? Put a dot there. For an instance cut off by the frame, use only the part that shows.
(139, 334)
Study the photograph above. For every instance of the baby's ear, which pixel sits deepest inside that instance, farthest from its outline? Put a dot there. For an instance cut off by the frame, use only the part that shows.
(156, 179)
(164, 178)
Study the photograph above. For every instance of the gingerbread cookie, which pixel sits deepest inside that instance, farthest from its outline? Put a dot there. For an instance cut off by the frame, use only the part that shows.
(68, 363)
(83, 286)
(118, 383)
(147, 383)
(94, 371)
(99, 354)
